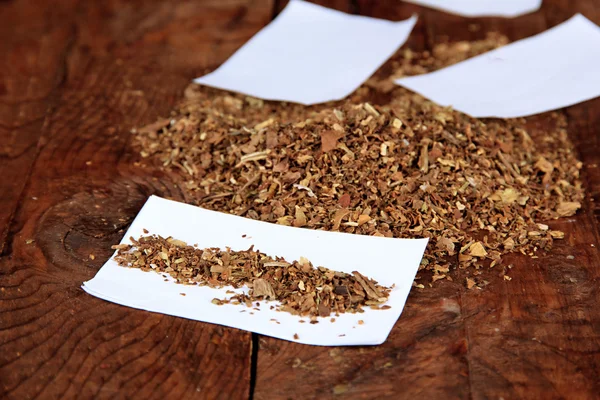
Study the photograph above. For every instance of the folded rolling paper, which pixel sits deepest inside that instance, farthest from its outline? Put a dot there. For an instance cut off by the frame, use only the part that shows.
(387, 260)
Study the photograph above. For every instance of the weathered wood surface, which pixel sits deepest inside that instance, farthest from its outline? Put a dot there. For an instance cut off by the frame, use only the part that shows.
(77, 75)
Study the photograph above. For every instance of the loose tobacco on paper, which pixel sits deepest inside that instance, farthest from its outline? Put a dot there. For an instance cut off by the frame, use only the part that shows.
(299, 288)
(383, 162)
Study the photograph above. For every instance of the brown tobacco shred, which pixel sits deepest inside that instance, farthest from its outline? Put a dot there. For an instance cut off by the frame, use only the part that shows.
(383, 162)
(300, 288)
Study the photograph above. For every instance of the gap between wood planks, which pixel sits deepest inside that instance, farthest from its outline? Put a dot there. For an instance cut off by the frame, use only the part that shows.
(254, 363)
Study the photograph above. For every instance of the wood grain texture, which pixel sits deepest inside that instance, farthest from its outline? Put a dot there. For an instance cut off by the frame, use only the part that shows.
(84, 74)
(340, 5)
(537, 336)
(79, 75)
(424, 357)
(31, 68)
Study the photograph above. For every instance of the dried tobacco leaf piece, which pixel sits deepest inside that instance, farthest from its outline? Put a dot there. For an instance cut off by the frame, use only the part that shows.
(568, 208)
(324, 311)
(344, 201)
(368, 286)
(507, 196)
(341, 290)
(470, 283)
(446, 244)
(329, 140)
(477, 250)
(509, 244)
(262, 288)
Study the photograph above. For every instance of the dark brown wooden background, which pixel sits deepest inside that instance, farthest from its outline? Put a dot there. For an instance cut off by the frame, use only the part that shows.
(76, 76)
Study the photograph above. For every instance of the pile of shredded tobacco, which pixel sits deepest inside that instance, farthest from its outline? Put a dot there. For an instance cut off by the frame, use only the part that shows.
(382, 162)
(299, 288)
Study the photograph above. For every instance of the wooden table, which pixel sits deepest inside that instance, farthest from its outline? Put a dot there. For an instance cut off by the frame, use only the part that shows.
(76, 76)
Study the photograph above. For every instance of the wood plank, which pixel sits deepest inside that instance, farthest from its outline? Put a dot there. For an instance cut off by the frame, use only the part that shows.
(536, 336)
(126, 64)
(424, 355)
(30, 70)
(584, 123)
